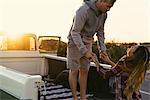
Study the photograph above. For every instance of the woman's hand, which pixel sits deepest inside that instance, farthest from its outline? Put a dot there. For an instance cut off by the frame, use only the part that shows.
(92, 57)
(104, 56)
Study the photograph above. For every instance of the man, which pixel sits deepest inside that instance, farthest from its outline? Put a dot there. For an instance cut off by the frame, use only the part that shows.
(89, 19)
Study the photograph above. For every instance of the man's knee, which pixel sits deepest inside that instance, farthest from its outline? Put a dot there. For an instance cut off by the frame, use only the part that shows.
(73, 72)
(83, 70)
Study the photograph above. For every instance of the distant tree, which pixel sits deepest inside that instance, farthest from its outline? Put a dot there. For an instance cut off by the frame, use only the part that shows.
(114, 50)
(62, 49)
(117, 50)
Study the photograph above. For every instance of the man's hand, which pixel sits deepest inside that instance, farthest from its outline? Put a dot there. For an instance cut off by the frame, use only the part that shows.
(104, 56)
(92, 56)
(88, 54)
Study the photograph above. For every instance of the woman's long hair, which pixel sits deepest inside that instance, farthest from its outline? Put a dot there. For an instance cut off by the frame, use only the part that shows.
(140, 62)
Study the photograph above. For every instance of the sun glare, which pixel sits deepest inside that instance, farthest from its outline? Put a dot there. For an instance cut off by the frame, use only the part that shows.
(13, 36)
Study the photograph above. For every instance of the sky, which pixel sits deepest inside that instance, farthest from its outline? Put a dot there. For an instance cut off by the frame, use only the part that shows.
(128, 20)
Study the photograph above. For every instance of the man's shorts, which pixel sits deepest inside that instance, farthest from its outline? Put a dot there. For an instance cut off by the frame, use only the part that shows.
(74, 58)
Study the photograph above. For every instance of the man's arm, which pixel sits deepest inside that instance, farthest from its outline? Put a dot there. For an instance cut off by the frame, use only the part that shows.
(78, 24)
(102, 49)
(100, 42)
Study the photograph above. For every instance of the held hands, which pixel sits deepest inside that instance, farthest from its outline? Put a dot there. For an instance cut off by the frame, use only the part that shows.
(92, 57)
(105, 57)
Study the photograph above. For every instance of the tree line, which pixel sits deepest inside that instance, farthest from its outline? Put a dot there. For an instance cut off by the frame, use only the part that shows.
(114, 50)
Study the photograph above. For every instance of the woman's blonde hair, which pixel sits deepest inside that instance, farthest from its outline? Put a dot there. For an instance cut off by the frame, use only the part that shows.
(140, 62)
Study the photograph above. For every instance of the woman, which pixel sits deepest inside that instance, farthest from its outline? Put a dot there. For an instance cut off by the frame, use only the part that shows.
(130, 72)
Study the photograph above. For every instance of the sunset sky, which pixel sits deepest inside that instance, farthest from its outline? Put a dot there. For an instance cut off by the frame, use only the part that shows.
(128, 20)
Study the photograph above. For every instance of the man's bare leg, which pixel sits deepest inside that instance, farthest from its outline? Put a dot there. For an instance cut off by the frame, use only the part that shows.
(73, 74)
(83, 74)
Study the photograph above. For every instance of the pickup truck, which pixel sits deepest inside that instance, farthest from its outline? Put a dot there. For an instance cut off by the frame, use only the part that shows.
(27, 60)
